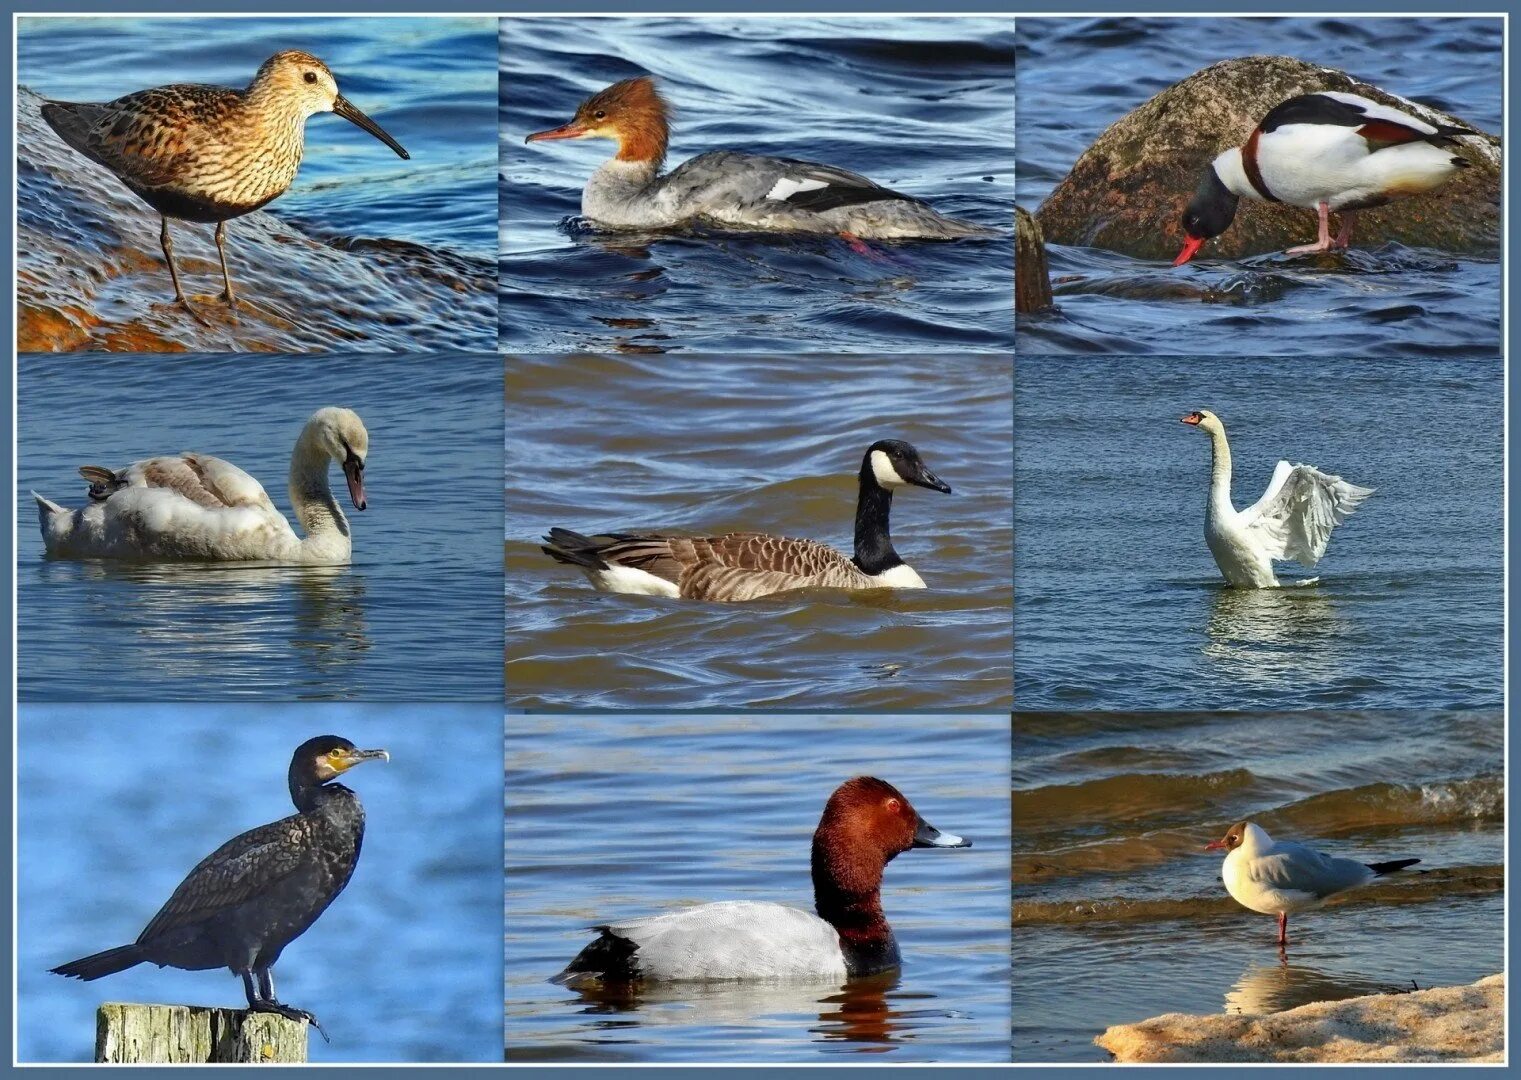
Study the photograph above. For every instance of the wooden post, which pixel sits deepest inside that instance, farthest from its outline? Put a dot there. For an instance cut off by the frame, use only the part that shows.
(1032, 280)
(191, 1034)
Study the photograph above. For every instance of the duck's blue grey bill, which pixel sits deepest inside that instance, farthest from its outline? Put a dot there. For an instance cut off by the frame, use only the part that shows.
(926, 835)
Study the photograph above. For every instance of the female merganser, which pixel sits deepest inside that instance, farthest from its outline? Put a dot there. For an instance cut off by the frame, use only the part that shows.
(1326, 151)
(729, 189)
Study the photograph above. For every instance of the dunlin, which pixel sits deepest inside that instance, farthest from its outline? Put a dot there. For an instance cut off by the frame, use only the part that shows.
(209, 153)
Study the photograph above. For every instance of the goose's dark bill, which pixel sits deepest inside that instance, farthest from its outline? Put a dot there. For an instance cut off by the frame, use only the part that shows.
(927, 479)
(345, 108)
(926, 835)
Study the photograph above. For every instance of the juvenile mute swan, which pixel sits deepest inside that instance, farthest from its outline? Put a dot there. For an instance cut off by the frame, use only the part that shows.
(1293, 520)
(202, 508)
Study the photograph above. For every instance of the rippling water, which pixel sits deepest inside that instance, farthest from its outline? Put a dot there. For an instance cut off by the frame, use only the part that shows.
(1121, 604)
(625, 815)
(922, 105)
(415, 615)
(402, 967)
(364, 247)
(1119, 915)
(719, 444)
(1078, 76)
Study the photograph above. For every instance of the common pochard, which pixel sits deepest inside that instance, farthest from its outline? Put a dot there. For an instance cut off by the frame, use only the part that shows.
(866, 823)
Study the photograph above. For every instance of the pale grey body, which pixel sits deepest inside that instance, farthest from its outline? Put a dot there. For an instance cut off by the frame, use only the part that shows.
(740, 191)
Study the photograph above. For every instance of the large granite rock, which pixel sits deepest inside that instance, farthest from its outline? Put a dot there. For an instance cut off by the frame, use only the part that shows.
(1127, 192)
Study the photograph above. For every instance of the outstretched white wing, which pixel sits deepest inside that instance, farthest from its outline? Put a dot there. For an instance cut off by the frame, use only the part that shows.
(1294, 519)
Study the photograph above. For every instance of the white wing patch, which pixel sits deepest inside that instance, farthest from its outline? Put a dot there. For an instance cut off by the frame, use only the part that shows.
(786, 187)
(1374, 111)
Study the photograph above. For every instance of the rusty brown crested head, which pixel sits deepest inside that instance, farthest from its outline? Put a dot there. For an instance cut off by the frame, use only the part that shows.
(631, 112)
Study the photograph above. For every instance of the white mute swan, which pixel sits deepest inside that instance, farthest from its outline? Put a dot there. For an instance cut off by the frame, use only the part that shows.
(1293, 520)
(202, 508)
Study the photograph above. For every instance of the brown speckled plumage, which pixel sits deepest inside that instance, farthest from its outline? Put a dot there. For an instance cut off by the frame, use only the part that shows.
(209, 153)
(735, 566)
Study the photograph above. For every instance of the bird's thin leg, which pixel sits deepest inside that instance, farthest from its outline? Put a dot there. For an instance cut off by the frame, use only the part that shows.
(248, 990)
(226, 277)
(1344, 236)
(1323, 243)
(1283, 928)
(174, 275)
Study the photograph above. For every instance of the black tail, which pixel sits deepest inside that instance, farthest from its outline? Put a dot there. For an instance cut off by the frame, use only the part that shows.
(102, 964)
(565, 546)
(608, 959)
(1382, 868)
(1461, 163)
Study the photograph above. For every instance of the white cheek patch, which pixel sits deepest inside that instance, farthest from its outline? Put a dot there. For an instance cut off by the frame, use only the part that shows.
(786, 188)
(882, 468)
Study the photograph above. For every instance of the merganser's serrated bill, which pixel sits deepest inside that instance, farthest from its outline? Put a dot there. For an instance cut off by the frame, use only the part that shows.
(1332, 152)
(728, 189)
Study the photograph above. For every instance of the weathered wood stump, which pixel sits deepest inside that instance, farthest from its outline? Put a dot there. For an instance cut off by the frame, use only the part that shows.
(181, 1034)
(1032, 278)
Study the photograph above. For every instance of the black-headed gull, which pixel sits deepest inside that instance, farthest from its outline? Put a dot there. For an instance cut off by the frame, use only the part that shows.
(1276, 877)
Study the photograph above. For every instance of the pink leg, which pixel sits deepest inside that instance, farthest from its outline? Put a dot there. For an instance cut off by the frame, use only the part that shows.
(1283, 928)
(1324, 242)
(1344, 236)
(858, 245)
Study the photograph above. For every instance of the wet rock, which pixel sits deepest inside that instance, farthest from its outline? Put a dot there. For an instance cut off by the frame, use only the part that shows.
(1127, 191)
(1032, 278)
(90, 274)
(1452, 1023)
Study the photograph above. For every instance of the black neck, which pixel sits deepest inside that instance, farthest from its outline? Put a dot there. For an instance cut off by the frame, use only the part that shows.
(874, 544)
(309, 798)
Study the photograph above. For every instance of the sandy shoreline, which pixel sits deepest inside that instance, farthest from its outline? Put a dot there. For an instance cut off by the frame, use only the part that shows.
(1450, 1023)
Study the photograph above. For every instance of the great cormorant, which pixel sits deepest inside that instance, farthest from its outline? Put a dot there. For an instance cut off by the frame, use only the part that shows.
(258, 892)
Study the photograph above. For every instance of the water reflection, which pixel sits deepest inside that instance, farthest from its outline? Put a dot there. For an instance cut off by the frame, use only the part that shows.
(1268, 637)
(860, 1011)
(1275, 987)
(229, 622)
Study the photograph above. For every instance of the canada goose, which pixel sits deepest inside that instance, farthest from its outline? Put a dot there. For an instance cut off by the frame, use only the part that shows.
(743, 566)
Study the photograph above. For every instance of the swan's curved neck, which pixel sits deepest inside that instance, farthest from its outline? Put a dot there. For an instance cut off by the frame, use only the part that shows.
(874, 544)
(321, 520)
(1219, 473)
